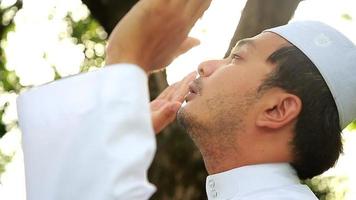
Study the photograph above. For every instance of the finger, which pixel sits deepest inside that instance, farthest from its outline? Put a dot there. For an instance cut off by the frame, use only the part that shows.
(183, 89)
(178, 90)
(184, 47)
(156, 104)
(187, 44)
(164, 116)
(168, 92)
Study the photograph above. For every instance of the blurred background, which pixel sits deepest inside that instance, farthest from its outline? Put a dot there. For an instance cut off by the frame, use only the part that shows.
(44, 40)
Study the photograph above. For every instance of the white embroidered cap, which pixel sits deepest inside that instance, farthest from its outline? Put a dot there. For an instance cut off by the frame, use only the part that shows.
(335, 57)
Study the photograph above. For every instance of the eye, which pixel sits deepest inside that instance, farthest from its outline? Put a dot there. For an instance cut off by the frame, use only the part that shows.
(235, 57)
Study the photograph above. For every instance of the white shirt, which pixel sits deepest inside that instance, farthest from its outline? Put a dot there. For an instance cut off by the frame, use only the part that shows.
(258, 182)
(89, 137)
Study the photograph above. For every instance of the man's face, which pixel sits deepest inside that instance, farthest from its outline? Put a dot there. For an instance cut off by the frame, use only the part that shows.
(223, 98)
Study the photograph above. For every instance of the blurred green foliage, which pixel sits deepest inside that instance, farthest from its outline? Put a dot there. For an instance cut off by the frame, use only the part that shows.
(352, 126)
(329, 187)
(4, 159)
(346, 16)
(86, 33)
(9, 81)
(89, 34)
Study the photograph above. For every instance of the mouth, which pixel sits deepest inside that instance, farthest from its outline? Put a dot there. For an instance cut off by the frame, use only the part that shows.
(193, 92)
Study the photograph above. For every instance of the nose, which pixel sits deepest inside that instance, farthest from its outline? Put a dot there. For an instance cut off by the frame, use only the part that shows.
(207, 68)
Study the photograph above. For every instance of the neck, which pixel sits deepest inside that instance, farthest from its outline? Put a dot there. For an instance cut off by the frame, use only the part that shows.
(220, 154)
(223, 154)
(217, 160)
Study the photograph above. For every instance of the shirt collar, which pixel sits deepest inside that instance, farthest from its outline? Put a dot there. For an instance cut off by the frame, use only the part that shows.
(247, 179)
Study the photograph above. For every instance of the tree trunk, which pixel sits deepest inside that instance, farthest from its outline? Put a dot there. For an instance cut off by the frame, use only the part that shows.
(259, 15)
(178, 170)
(109, 12)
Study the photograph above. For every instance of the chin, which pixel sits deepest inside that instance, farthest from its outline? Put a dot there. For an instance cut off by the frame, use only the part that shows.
(187, 117)
(184, 117)
(181, 115)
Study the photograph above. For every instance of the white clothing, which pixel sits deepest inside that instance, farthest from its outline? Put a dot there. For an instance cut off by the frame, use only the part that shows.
(89, 137)
(258, 182)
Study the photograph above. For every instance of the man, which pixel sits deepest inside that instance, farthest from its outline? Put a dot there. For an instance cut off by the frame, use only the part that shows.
(267, 105)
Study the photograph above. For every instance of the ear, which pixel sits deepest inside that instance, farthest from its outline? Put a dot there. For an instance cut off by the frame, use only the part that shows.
(280, 110)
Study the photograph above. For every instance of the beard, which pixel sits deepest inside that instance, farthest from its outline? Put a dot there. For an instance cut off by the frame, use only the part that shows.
(215, 126)
(187, 120)
(192, 125)
(223, 117)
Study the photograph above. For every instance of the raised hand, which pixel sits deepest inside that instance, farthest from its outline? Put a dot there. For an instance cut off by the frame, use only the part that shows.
(154, 32)
(166, 105)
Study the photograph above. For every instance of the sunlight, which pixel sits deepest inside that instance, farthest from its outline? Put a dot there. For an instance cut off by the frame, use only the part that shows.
(7, 3)
(214, 30)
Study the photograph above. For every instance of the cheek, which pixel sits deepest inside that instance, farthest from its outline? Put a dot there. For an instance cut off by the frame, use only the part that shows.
(227, 83)
(197, 109)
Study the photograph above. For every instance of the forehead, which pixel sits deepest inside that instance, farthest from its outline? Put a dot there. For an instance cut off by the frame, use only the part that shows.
(263, 44)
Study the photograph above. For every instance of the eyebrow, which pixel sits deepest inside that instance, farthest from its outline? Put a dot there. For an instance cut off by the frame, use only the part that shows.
(244, 42)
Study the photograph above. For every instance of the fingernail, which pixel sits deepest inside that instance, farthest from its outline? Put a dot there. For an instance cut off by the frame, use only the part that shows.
(195, 73)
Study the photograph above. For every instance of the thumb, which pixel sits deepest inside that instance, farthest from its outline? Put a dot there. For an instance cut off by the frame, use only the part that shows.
(164, 116)
(187, 44)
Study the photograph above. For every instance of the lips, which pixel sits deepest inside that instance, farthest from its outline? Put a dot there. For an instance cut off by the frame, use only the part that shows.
(193, 91)
(193, 88)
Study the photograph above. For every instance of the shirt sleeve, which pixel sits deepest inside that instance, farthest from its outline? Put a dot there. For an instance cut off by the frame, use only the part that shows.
(89, 137)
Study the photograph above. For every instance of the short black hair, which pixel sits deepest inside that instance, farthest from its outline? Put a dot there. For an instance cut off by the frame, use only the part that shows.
(317, 142)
